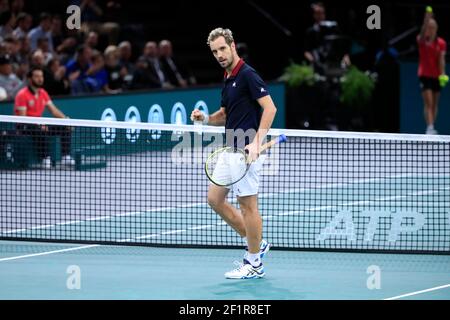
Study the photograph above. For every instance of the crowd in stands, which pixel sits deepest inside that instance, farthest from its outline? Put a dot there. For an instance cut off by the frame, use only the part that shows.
(74, 61)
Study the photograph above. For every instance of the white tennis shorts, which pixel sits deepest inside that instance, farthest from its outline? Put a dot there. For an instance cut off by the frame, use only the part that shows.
(249, 184)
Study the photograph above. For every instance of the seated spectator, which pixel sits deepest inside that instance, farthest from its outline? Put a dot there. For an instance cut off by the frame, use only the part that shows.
(155, 71)
(143, 78)
(116, 73)
(8, 80)
(43, 46)
(125, 54)
(97, 77)
(31, 101)
(7, 23)
(24, 23)
(55, 82)
(76, 68)
(92, 40)
(23, 57)
(171, 67)
(42, 31)
(93, 79)
(12, 47)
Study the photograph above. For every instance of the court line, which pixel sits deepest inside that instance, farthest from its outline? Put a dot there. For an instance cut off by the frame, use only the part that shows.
(48, 252)
(418, 292)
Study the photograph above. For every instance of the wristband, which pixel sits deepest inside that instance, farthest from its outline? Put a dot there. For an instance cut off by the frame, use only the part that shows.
(205, 118)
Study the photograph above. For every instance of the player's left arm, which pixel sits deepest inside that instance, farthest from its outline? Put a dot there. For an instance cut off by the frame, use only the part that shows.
(442, 62)
(269, 111)
(443, 78)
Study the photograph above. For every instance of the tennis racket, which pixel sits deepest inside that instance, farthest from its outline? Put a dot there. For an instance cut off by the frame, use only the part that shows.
(226, 166)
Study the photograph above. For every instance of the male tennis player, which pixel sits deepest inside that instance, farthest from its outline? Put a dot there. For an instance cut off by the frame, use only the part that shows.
(431, 68)
(247, 111)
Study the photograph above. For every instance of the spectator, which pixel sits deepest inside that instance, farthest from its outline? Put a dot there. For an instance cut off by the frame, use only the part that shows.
(43, 46)
(57, 29)
(90, 75)
(116, 73)
(8, 80)
(55, 82)
(41, 31)
(92, 40)
(125, 54)
(76, 69)
(12, 47)
(97, 77)
(151, 54)
(143, 77)
(65, 44)
(38, 59)
(23, 57)
(24, 23)
(7, 23)
(32, 100)
(171, 67)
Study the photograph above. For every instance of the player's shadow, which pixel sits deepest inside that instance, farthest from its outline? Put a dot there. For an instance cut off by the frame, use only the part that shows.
(252, 289)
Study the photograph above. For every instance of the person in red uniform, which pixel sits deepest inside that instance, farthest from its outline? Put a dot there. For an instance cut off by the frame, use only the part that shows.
(431, 71)
(32, 101)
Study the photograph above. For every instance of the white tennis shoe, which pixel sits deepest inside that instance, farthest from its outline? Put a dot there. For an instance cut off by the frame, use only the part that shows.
(245, 271)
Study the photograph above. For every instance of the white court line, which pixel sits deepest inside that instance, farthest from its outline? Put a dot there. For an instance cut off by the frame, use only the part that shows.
(418, 292)
(48, 252)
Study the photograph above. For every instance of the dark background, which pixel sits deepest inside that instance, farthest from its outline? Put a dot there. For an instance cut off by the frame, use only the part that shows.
(187, 24)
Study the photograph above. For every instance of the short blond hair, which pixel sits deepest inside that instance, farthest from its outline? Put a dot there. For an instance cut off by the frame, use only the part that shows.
(221, 32)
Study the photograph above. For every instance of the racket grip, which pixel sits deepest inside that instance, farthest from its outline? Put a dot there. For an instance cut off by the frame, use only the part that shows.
(281, 138)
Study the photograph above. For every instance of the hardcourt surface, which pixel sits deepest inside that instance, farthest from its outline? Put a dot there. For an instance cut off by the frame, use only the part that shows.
(31, 270)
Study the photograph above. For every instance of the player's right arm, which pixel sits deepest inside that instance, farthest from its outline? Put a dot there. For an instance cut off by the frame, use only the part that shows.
(216, 119)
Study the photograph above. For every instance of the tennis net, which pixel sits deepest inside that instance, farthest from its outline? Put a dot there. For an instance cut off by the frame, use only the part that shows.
(144, 184)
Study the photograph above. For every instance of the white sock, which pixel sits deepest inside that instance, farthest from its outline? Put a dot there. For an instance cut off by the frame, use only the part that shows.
(430, 127)
(254, 259)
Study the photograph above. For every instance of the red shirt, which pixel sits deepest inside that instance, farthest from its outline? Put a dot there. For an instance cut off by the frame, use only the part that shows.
(34, 104)
(429, 56)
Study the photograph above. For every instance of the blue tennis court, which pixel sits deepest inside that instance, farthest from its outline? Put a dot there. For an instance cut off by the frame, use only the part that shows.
(350, 216)
(39, 271)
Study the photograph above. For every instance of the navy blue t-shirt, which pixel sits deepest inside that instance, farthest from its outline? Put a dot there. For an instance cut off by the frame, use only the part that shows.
(239, 98)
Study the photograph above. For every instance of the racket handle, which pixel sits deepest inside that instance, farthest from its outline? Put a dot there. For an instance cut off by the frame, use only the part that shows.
(271, 143)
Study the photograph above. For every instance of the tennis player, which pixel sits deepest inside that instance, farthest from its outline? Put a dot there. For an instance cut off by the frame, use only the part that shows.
(247, 111)
(431, 71)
